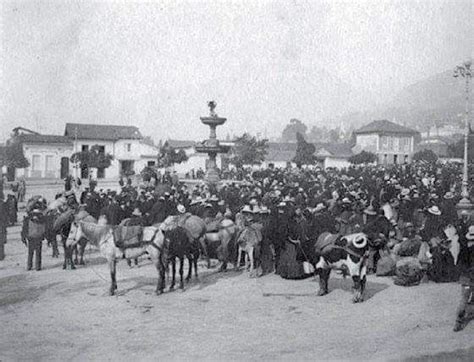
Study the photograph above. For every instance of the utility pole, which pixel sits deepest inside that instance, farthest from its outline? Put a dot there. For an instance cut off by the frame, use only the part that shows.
(464, 206)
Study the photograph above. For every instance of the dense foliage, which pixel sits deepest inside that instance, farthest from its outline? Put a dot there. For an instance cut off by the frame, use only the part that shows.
(304, 151)
(248, 150)
(363, 158)
(427, 156)
(92, 158)
(168, 156)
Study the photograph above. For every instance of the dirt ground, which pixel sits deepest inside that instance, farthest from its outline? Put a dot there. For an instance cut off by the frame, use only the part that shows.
(67, 315)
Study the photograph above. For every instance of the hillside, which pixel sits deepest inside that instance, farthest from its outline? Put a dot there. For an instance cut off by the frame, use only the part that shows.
(438, 98)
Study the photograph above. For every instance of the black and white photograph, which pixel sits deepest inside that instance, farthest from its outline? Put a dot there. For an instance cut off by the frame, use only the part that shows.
(236, 180)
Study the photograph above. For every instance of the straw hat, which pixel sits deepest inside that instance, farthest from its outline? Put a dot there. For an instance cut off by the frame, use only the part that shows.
(448, 195)
(264, 210)
(247, 209)
(470, 233)
(434, 210)
(136, 212)
(181, 209)
(319, 207)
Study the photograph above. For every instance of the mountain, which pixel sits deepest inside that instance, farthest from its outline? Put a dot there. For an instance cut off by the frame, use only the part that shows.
(436, 99)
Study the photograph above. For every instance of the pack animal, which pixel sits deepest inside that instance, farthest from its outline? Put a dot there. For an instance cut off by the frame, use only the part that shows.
(151, 242)
(347, 253)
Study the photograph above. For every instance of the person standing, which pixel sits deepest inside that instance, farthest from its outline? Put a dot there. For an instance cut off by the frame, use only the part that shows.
(32, 234)
(3, 226)
(466, 269)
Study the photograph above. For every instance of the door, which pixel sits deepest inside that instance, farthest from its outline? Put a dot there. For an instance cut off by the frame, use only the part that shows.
(10, 173)
(64, 167)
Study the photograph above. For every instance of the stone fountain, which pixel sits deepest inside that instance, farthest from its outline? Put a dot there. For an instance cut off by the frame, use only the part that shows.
(211, 146)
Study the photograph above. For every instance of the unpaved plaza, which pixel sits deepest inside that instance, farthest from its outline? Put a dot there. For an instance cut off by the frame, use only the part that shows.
(67, 315)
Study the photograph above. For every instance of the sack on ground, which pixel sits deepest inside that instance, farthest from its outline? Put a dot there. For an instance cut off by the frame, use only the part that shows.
(386, 266)
(408, 272)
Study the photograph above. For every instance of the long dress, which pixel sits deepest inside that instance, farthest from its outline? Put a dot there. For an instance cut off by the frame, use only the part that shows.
(289, 266)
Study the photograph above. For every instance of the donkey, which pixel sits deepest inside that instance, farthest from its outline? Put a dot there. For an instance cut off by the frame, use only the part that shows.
(152, 243)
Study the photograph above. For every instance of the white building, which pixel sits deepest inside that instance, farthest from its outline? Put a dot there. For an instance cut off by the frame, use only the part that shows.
(333, 155)
(49, 155)
(392, 143)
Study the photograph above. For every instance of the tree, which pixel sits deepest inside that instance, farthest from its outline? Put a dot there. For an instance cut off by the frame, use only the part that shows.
(456, 150)
(248, 150)
(95, 157)
(12, 156)
(363, 157)
(427, 156)
(168, 156)
(291, 129)
(304, 151)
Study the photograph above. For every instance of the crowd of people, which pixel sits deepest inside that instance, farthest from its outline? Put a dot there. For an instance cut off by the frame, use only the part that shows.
(404, 205)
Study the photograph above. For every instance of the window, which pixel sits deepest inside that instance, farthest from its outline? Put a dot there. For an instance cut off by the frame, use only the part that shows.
(35, 163)
(128, 147)
(49, 164)
(384, 142)
(395, 159)
(390, 143)
(151, 163)
(85, 148)
(101, 149)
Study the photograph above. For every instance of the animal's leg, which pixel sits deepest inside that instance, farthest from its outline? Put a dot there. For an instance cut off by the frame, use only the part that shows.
(357, 289)
(113, 284)
(323, 281)
(237, 262)
(181, 267)
(81, 252)
(161, 275)
(190, 267)
(363, 281)
(203, 243)
(75, 252)
(195, 262)
(251, 260)
(65, 253)
(173, 271)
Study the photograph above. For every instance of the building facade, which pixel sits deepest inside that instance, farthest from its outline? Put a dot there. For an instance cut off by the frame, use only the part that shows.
(392, 143)
(49, 155)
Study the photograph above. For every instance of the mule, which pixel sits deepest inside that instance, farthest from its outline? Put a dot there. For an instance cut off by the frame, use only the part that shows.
(152, 243)
(248, 242)
(179, 246)
(347, 253)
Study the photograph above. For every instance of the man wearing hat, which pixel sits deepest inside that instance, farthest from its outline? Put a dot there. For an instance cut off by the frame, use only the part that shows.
(466, 269)
(448, 209)
(3, 225)
(433, 224)
(32, 235)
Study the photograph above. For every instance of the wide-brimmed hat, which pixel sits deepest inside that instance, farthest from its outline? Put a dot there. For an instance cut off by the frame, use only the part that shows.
(256, 210)
(213, 198)
(36, 211)
(405, 192)
(346, 200)
(319, 207)
(434, 210)
(448, 195)
(247, 209)
(282, 204)
(470, 233)
(181, 209)
(197, 200)
(264, 210)
(370, 211)
(136, 212)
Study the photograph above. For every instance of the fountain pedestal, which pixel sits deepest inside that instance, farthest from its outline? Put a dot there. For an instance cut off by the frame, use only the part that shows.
(211, 146)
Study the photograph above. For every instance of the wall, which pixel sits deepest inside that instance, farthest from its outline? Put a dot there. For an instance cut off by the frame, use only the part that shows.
(336, 162)
(367, 142)
(43, 152)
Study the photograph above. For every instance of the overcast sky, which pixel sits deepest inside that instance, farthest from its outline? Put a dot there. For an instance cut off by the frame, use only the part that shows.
(156, 64)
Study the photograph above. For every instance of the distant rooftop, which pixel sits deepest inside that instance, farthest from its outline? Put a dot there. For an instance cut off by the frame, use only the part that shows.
(101, 132)
(340, 150)
(179, 144)
(384, 126)
(42, 138)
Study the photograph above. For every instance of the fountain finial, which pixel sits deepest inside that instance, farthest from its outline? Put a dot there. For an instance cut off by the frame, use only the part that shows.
(212, 105)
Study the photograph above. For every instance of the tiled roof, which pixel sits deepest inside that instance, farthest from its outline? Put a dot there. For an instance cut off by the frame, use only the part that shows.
(341, 150)
(384, 126)
(101, 132)
(42, 138)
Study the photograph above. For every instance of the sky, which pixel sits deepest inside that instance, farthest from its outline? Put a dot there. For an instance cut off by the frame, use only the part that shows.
(157, 64)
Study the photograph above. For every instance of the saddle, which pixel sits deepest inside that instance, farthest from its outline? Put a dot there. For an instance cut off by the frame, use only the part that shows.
(213, 224)
(129, 237)
(326, 243)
